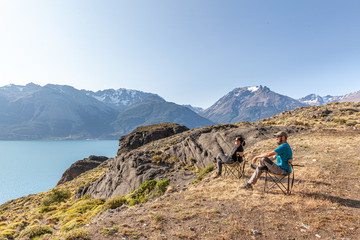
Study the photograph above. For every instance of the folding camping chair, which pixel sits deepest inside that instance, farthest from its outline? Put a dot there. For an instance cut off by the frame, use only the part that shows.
(283, 182)
(235, 169)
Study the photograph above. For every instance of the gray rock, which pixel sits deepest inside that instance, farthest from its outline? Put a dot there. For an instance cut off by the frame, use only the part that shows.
(147, 134)
(305, 226)
(80, 167)
(129, 170)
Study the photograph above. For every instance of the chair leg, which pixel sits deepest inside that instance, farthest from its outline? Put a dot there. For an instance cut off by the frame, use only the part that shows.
(276, 181)
(288, 185)
(235, 171)
(265, 184)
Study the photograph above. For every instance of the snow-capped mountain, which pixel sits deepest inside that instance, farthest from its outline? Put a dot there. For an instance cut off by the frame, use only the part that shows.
(352, 97)
(313, 100)
(121, 98)
(249, 104)
(316, 100)
(13, 91)
(64, 112)
(194, 109)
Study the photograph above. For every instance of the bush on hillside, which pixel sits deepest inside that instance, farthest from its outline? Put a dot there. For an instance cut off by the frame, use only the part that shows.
(56, 196)
(77, 235)
(36, 230)
(114, 203)
(203, 172)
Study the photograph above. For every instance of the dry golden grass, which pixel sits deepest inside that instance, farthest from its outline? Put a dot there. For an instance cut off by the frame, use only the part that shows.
(333, 115)
(19, 214)
(325, 199)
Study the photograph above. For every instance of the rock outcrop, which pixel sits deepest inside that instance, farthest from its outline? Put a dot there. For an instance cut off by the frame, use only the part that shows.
(146, 134)
(175, 157)
(80, 167)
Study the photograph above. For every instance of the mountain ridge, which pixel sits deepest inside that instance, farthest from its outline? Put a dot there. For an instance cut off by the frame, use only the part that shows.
(249, 104)
(58, 112)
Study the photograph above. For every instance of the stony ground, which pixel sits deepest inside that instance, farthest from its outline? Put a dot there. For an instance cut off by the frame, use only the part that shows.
(325, 203)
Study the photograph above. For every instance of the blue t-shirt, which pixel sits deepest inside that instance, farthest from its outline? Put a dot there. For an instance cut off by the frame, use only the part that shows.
(284, 153)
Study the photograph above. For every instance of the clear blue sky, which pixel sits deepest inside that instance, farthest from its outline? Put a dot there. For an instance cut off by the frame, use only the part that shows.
(187, 51)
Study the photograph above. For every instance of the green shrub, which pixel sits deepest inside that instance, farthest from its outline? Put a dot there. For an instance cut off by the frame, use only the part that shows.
(157, 159)
(140, 195)
(114, 203)
(351, 123)
(74, 223)
(47, 209)
(339, 120)
(86, 197)
(35, 231)
(110, 231)
(56, 196)
(145, 188)
(8, 234)
(78, 235)
(161, 187)
(157, 217)
(203, 172)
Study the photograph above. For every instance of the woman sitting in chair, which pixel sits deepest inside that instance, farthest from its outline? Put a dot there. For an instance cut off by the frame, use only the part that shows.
(236, 155)
(282, 167)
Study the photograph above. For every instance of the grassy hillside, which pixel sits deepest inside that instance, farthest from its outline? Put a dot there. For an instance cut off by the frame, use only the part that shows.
(333, 115)
(325, 202)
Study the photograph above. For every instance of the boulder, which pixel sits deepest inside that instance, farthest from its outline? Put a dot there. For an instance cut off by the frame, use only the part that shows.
(80, 167)
(147, 134)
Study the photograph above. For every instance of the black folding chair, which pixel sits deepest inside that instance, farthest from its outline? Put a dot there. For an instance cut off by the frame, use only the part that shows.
(283, 182)
(235, 169)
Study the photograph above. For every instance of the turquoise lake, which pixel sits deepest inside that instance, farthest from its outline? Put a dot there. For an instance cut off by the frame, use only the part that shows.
(28, 167)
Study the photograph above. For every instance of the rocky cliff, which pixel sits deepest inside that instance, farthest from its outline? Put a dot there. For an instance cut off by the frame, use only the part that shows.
(146, 134)
(80, 167)
(176, 157)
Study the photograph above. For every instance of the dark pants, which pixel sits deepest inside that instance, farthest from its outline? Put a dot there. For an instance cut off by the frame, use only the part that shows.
(221, 159)
(270, 165)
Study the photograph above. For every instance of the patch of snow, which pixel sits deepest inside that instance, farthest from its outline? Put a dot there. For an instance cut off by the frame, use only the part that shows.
(125, 102)
(114, 99)
(100, 98)
(253, 89)
(312, 102)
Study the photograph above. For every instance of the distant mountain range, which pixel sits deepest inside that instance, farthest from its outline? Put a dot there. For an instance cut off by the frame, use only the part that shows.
(63, 112)
(255, 103)
(122, 98)
(316, 100)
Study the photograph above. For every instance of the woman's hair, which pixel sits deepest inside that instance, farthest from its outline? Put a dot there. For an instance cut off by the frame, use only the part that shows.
(241, 139)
